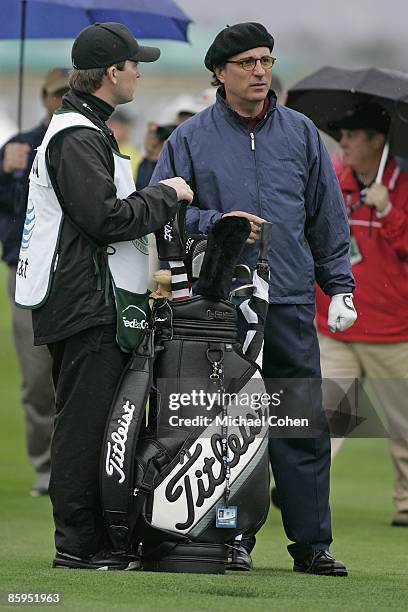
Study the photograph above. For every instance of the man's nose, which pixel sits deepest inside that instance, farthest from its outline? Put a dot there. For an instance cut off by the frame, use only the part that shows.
(259, 69)
(343, 141)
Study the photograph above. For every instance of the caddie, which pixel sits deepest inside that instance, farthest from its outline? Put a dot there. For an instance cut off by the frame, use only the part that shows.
(83, 270)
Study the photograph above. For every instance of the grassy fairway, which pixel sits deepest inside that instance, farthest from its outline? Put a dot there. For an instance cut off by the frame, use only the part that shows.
(376, 555)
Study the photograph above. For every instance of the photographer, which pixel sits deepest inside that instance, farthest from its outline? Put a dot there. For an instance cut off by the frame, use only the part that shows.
(155, 138)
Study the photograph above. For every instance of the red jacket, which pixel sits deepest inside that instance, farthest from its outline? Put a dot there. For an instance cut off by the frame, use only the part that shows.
(381, 294)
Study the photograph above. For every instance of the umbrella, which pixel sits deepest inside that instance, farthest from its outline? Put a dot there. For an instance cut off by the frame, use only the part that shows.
(22, 19)
(329, 93)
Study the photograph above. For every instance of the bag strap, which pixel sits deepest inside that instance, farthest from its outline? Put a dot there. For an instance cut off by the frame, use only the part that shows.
(121, 437)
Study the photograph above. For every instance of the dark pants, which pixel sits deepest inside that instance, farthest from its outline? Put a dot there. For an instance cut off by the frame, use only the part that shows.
(300, 465)
(86, 370)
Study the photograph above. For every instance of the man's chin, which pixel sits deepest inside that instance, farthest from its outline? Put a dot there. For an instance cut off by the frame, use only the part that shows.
(127, 99)
(258, 96)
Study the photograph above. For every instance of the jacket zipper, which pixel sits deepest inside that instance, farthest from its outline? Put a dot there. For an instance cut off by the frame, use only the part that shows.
(252, 137)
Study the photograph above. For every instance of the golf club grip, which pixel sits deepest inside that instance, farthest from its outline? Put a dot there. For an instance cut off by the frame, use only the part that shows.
(266, 228)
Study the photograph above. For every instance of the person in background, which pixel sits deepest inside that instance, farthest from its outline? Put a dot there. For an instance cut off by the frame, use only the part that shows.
(120, 124)
(247, 156)
(37, 392)
(155, 138)
(375, 349)
(280, 90)
(183, 115)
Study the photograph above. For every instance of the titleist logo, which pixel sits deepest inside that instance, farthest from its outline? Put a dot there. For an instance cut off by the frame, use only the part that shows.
(209, 471)
(115, 456)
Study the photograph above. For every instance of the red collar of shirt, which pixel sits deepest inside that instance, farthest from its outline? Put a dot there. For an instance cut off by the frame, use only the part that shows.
(251, 122)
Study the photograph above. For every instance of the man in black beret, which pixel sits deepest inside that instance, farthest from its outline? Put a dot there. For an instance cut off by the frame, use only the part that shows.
(248, 156)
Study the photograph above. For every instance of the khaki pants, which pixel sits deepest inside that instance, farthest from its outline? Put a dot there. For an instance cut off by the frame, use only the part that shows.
(37, 390)
(374, 362)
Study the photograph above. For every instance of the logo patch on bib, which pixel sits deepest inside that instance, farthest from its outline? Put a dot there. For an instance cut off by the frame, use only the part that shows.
(29, 225)
(139, 317)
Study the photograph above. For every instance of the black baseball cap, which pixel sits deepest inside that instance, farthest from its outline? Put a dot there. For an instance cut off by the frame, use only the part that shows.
(365, 116)
(103, 44)
(236, 39)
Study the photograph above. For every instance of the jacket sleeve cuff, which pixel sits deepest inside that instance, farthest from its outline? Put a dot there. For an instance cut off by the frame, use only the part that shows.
(336, 290)
(385, 212)
(170, 191)
(393, 219)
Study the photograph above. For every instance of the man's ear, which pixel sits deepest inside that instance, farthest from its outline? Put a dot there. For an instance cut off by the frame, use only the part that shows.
(219, 73)
(378, 140)
(111, 74)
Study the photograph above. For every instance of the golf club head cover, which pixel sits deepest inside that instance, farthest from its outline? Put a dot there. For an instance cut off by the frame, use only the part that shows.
(195, 249)
(226, 241)
(171, 238)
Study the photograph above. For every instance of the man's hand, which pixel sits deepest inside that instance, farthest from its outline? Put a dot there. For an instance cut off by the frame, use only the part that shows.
(15, 156)
(184, 192)
(342, 313)
(255, 222)
(377, 196)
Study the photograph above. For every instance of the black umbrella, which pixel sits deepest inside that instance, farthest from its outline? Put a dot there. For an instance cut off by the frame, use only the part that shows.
(330, 93)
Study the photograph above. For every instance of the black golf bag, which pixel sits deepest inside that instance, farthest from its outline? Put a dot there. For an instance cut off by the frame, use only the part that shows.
(195, 474)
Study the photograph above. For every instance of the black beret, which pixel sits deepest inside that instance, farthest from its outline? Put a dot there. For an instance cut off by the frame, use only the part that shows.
(235, 39)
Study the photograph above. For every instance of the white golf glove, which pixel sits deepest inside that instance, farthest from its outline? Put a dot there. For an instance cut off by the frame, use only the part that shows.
(342, 313)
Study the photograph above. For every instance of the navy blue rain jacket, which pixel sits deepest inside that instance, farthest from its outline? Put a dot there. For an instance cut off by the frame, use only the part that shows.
(13, 195)
(280, 172)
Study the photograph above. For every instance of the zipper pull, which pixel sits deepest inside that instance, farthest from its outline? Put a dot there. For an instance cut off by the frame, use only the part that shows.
(56, 262)
(252, 135)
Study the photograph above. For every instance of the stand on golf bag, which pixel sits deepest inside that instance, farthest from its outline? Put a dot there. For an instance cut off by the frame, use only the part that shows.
(185, 489)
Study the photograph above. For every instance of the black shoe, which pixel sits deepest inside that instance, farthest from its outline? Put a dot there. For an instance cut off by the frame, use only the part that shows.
(322, 563)
(239, 559)
(99, 561)
(275, 498)
(400, 520)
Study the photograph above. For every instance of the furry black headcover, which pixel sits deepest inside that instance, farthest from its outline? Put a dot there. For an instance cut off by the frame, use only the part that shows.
(225, 244)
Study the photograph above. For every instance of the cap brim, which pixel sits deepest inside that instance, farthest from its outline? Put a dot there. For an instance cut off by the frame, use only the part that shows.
(349, 123)
(147, 54)
(341, 124)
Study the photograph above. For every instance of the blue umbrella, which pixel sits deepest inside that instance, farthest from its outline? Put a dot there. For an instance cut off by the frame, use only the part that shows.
(21, 19)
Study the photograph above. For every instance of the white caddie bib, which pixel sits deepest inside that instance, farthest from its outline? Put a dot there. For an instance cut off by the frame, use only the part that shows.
(38, 259)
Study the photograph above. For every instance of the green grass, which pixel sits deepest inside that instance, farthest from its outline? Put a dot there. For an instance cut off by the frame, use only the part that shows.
(376, 554)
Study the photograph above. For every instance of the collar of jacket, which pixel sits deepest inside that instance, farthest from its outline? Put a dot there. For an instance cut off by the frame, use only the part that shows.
(221, 104)
(73, 101)
(349, 183)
